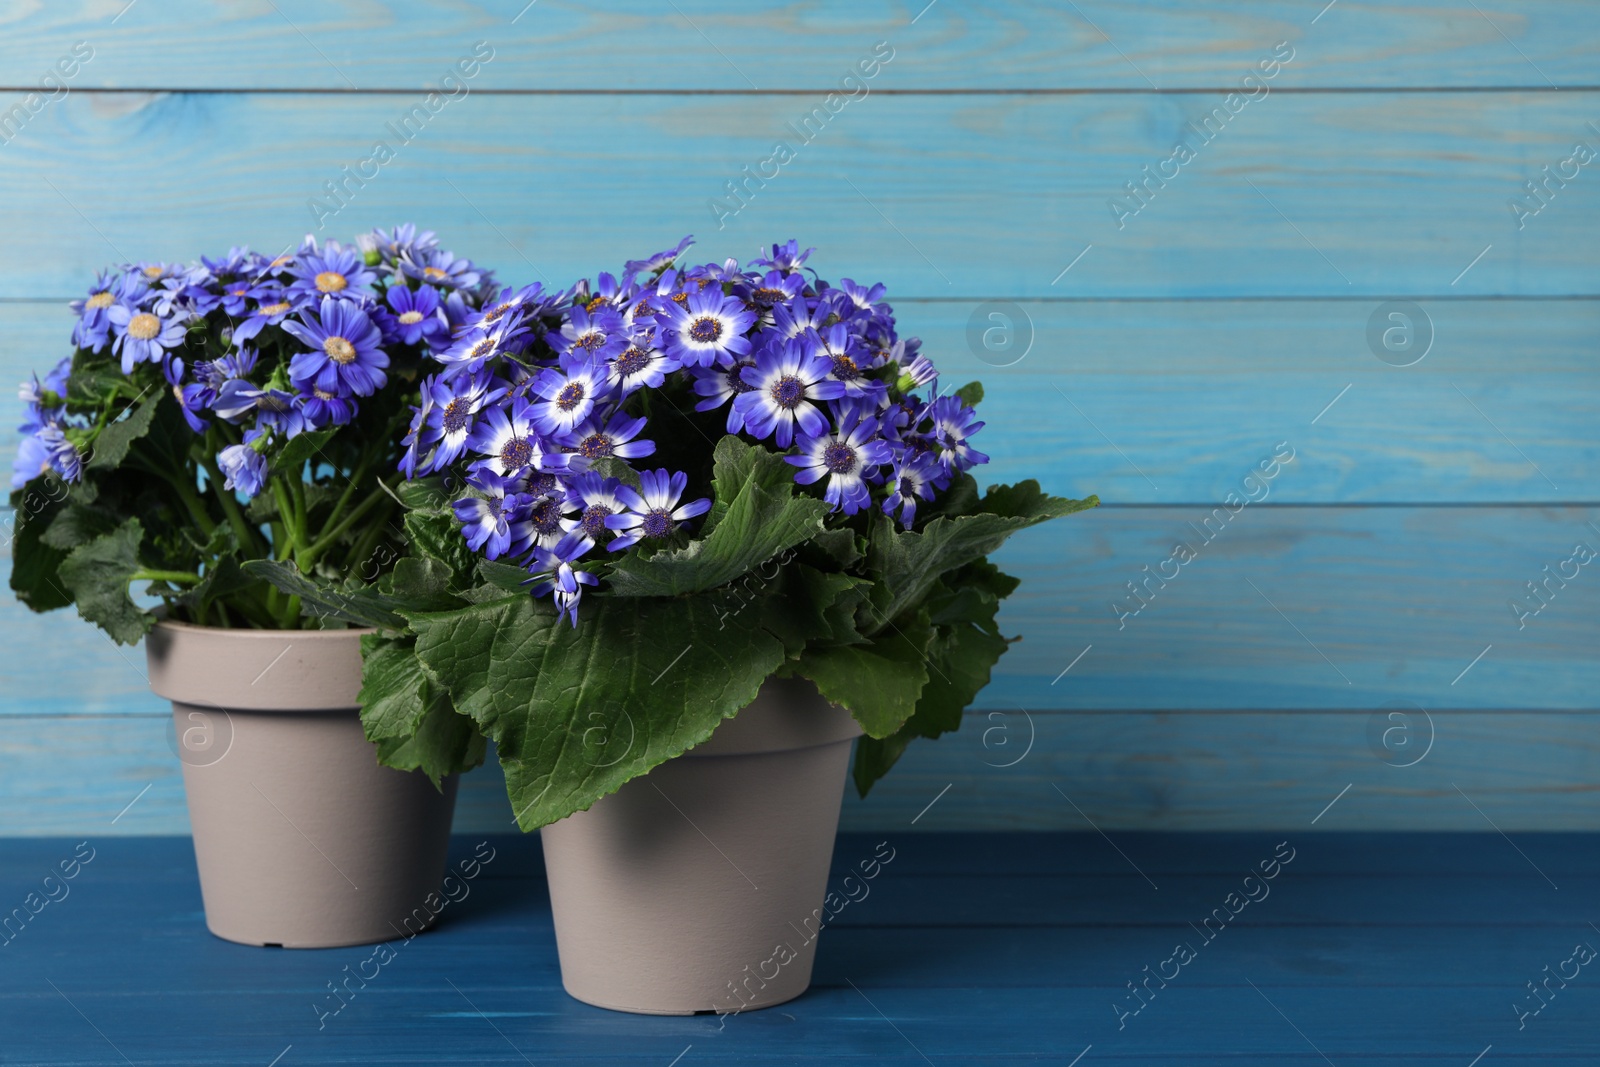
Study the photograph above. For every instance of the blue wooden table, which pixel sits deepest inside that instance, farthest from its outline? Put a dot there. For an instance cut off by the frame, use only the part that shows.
(1347, 948)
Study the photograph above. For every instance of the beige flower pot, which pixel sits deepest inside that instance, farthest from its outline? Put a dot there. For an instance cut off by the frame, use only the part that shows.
(699, 886)
(303, 840)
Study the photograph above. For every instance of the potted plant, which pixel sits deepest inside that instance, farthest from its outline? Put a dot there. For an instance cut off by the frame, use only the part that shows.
(688, 534)
(217, 421)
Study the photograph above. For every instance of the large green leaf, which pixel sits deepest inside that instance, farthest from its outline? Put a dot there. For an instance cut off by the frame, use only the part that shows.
(801, 606)
(755, 516)
(98, 572)
(322, 600)
(303, 448)
(35, 563)
(879, 682)
(577, 712)
(112, 445)
(411, 719)
(907, 564)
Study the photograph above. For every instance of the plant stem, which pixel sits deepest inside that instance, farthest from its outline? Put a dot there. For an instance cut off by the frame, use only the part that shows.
(249, 538)
(176, 577)
(327, 540)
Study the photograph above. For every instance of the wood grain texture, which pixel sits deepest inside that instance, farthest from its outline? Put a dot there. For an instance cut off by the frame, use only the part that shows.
(203, 44)
(1365, 194)
(1120, 771)
(1174, 402)
(970, 951)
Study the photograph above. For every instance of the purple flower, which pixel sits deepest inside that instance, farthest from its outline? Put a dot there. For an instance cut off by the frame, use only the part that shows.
(271, 313)
(844, 457)
(413, 317)
(453, 411)
(640, 365)
(658, 262)
(784, 382)
(569, 394)
(707, 328)
(953, 424)
(596, 500)
(598, 335)
(487, 520)
(512, 442)
(345, 356)
(142, 337)
(553, 571)
(440, 268)
(592, 441)
(46, 450)
(654, 511)
(786, 257)
(332, 272)
(244, 468)
(914, 476)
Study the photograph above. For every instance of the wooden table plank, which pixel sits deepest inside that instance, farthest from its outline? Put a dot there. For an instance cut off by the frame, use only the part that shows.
(1430, 972)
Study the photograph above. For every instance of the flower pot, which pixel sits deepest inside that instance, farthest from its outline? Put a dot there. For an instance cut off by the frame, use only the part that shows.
(671, 894)
(303, 840)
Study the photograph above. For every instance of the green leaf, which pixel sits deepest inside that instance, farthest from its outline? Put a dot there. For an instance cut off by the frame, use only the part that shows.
(577, 712)
(419, 583)
(503, 576)
(907, 564)
(35, 564)
(222, 579)
(323, 600)
(410, 719)
(437, 535)
(303, 448)
(94, 380)
(78, 523)
(111, 446)
(755, 516)
(98, 573)
(837, 546)
(878, 682)
(803, 606)
(971, 394)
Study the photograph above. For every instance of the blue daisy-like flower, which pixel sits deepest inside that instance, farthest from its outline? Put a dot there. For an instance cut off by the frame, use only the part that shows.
(849, 361)
(639, 365)
(479, 344)
(953, 424)
(143, 337)
(654, 510)
(440, 268)
(320, 409)
(273, 408)
(333, 271)
(345, 356)
(244, 469)
(615, 437)
(453, 411)
(707, 328)
(658, 262)
(47, 449)
(783, 385)
(596, 335)
(488, 520)
(772, 290)
(719, 385)
(569, 394)
(93, 329)
(553, 573)
(414, 316)
(844, 457)
(511, 441)
(913, 476)
(275, 308)
(596, 500)
(786, 257)
(403, 241)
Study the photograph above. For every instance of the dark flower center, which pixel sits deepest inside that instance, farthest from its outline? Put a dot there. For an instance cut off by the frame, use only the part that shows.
(570, 396)
(546, 515)
(273, 402)
(736, 380)
(594, 519)
(705, 329)
(788, 391)
(642, 306)
(516, 453)
(845, 369)
(494, 313)
(634, 360)
(595, 446)
(456, 414)
(658, 523)
(481, 349)
(768, 295)
(592, 339)
(839, 458)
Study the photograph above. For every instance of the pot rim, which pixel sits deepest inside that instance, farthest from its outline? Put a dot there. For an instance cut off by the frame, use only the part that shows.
(242, 632)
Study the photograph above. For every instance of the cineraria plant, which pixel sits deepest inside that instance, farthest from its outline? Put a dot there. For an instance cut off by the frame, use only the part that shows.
(630, 503)
(239, 413)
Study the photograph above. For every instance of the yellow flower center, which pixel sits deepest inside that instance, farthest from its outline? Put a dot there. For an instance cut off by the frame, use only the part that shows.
(100, 300)
(143, 326)
(281, 261)
(339, 350)
(272, 309)
(433, 274)
(330, 281)
(411, 318)
(596, 302)
(152, 272)
(320, 395)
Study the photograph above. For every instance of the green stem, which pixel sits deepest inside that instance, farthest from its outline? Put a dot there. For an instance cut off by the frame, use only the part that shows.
(328, 539)
(249, 538)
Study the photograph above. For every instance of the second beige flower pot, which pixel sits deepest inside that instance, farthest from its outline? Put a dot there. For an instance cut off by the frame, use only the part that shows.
(699, 887)
(302, 839)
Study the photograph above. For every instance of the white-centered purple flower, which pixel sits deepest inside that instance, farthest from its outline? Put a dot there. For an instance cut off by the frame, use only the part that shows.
(142, 336)
(706, 328)
(594, 440)
(553, 572)
(953, 424)
(569, 393)
(845, 458)
(913, 476)
(784, 384)
(653, 511)
(244, 468)
(488, 519)
(453, 411)
(511, 441)
(596, 500)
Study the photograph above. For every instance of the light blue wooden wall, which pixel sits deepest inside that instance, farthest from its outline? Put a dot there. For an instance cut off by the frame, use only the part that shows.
(1169, 355)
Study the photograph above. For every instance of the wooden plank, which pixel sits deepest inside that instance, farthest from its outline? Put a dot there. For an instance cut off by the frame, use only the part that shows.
(719, 45)
(1190, 395)
(1123, 771)
(1283, 978)
(905, 189)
